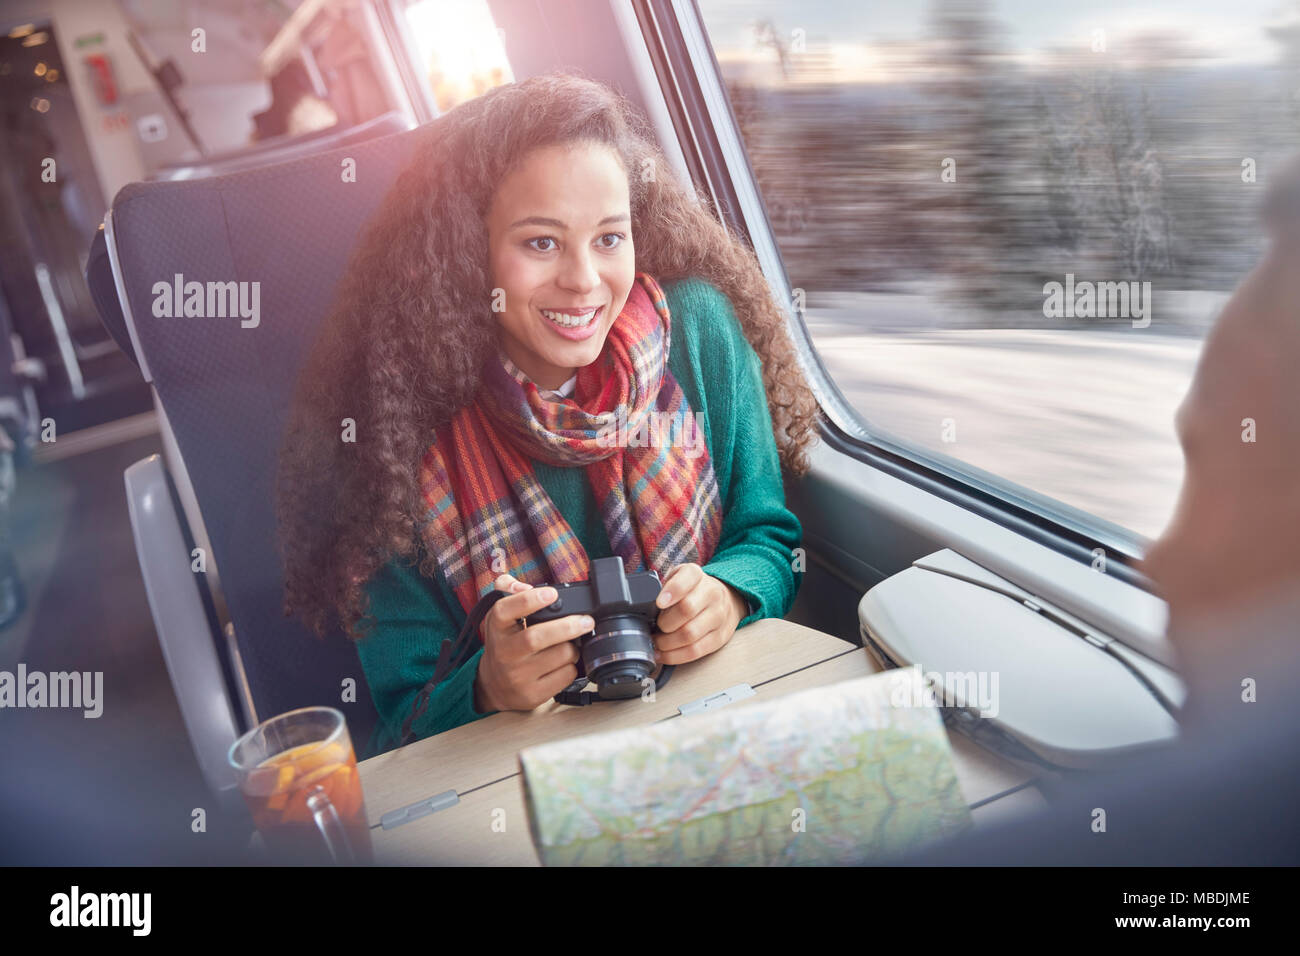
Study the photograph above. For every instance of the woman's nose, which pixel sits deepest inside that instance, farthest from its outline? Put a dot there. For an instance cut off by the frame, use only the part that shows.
(578, 272)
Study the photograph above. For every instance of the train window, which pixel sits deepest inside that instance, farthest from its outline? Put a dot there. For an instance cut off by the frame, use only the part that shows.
(1008, 227)
(457, 46)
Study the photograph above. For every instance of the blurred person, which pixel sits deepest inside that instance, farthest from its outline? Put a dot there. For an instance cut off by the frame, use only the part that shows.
(13, 598)
(1229, 567)
(17, 433)
(295, 109)
(1229, 563)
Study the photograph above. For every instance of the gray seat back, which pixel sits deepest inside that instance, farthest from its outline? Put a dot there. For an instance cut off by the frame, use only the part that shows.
(226, 385)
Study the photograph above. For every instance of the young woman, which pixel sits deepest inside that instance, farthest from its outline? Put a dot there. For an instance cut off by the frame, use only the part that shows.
(550, 354)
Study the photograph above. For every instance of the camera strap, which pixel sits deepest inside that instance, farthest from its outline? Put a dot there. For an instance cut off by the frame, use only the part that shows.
(581, 698)
(450, 657)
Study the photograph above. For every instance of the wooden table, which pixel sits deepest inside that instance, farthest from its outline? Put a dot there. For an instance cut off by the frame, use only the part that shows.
(489, 825)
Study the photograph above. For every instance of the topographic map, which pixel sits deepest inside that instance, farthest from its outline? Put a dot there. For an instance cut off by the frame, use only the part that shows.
(840, 774)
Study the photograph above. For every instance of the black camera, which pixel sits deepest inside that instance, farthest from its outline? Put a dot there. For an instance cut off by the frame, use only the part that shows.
(619, 653)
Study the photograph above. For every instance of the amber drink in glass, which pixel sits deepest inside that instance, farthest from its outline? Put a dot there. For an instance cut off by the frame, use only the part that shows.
(298, 774)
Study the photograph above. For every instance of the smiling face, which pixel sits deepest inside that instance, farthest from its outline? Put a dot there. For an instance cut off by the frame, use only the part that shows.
(560, 246)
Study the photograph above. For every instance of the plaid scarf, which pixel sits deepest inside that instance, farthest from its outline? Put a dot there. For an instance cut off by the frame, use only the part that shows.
(628, 425)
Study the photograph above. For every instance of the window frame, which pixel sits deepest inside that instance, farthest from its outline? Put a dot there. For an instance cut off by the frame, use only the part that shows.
(390, 17)
(691, 83)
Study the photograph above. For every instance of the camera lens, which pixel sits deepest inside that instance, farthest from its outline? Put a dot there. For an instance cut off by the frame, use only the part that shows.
(619, 655)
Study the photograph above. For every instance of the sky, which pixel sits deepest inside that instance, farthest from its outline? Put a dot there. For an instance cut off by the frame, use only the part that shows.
(866, 38)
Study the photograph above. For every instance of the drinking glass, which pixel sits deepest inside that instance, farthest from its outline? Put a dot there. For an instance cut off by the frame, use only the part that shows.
(298, 774)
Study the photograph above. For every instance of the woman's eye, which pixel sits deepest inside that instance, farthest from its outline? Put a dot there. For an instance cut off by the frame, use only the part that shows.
(618, 237)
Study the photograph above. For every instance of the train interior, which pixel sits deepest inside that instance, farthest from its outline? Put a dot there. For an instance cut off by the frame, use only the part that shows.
(989, 474)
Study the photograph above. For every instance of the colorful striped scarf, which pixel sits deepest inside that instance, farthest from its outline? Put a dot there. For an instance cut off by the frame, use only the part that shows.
(658, 498)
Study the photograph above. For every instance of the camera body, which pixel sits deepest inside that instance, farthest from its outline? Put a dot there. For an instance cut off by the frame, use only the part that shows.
(619, 652)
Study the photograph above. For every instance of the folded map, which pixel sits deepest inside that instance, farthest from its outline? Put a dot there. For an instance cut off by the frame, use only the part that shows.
(855, 772)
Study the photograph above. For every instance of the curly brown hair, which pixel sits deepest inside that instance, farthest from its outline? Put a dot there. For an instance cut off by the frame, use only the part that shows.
(401, 351)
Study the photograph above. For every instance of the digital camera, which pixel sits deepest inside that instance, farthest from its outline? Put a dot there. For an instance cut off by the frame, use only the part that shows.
(619, 652)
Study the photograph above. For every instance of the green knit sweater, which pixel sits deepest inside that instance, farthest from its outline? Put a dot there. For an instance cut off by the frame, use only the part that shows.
(722, 379)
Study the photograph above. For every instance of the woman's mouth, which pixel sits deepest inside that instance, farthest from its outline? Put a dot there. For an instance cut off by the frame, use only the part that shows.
(572, 323)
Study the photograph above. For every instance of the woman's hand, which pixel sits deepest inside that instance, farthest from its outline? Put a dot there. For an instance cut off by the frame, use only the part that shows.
(697, 615)
(524, 667)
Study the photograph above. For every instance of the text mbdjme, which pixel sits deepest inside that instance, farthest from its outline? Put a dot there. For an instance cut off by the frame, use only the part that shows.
(25, 688)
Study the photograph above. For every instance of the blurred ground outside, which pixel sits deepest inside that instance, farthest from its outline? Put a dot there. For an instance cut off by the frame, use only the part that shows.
(1078, 413)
